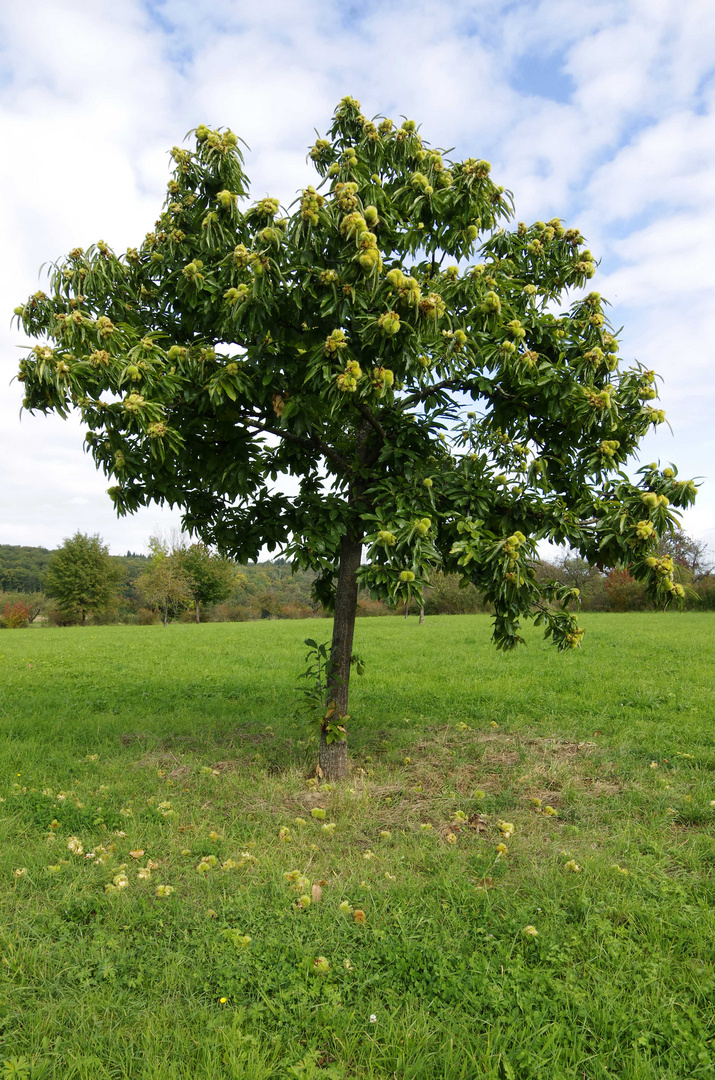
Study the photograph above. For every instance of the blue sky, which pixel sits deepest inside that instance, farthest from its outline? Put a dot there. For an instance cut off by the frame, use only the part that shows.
(598, 111)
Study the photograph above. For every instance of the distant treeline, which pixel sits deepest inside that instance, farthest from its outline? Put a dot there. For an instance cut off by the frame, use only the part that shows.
(273, 590)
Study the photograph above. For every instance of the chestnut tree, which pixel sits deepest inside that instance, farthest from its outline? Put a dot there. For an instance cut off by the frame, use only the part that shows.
(389, 344)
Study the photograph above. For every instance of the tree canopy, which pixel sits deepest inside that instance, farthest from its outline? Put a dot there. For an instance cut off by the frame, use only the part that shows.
(388, 343)
(82, 576)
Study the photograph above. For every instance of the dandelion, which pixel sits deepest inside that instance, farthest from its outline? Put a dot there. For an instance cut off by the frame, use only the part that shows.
(359, 915)
(530, 931)
(222, 1001)
(346, 908)
(573, 866)
(451, 838)
(163, 890)
(501, 849)
(20, 872)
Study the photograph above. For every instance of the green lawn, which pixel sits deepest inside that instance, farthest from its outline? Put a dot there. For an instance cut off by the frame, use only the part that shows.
(160, 751)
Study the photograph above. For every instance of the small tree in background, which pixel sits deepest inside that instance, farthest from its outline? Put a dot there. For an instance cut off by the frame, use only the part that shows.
(166, 584)
(82, 577)
(387, 342)
(211, 579)
(692, 557)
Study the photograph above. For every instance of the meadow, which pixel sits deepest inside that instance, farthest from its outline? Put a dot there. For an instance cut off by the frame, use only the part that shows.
(516, 881)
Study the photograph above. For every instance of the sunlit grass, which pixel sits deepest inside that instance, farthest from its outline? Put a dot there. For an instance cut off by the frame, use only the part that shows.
(527, 842)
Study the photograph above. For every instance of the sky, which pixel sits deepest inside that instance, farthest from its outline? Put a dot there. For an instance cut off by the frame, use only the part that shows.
(600, 112)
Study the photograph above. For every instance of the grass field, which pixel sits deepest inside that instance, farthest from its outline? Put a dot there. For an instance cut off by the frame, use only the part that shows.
(133, 756)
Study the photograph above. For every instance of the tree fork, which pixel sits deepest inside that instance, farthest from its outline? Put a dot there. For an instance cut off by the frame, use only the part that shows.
(333, 758)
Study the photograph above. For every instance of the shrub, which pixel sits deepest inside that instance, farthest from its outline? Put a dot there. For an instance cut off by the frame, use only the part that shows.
(147, 617)
(296, 611)
(57, 617)
(624, 592)
(233, 613)
(15, 616)
(372, 608)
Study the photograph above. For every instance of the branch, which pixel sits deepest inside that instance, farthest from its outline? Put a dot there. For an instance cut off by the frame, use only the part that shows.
(313, 443)
(372, 420)
(422, 395)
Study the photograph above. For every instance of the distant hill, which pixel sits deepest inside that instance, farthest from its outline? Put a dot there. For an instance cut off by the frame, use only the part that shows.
(22, 569)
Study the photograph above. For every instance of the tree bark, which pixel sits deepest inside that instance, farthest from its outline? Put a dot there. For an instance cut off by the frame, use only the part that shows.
(422, 614)
(334, 757)
(197, 612)
(84, 617)
(166, 612)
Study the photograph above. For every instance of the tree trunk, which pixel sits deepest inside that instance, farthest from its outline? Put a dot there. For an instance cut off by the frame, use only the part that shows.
(197, 612)
(84, 617)
(422, 614)
(166, 612)
(334, 757)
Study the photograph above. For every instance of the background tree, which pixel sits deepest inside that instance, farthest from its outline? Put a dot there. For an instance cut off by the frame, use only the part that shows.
(211, 579)
(691, 556)
(165, 584)
(441, 416)
(81, 576)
